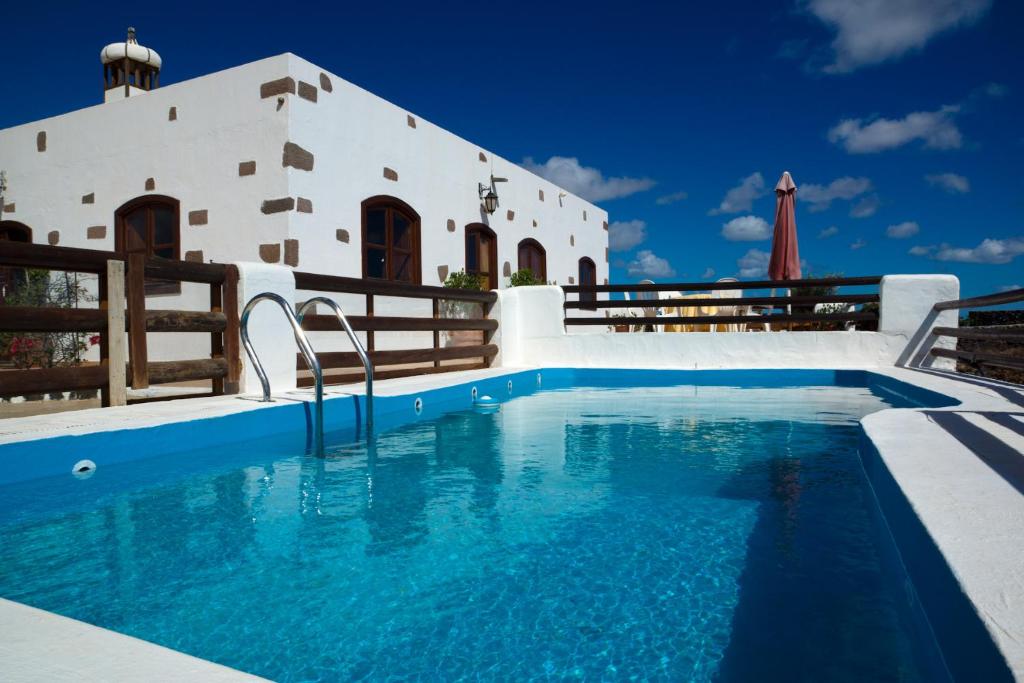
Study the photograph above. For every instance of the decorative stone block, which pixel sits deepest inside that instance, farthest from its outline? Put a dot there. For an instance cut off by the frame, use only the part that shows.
(572, 240)
(307, 91)
(442, 273)
(572, 280)
(53, 238)
(296, 157)
(325, 83)
(277, 205)
(89, 198)
(194, 256)
(303, 205)
(535, 222)
(511, 215)
(9, 208)
(605, 225)
(281, 86)
(506, 269)
(342, 235)
(96, 232)
(482, 157)
(540, 194)
(606, 282)
(451, 225)
(410, 120)
(198, 217)
(246, 168)
(172, 114)
(291, 253)
(41, 141)
(270, 253)
(390, 174)
(584, 216)
(606, 254)
(150, 184)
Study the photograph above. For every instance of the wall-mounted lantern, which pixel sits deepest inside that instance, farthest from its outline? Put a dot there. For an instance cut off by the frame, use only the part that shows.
(488, 196)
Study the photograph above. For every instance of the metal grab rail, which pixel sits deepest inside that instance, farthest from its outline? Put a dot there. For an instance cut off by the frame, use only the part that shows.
(367, 365)
(307, 353)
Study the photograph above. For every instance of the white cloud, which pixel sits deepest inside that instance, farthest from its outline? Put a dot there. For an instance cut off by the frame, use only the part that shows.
(624, 235)
(858, 244)
(989, 251)
(993, 251)
(671, 198)
(902, 231)
(820, 197)
(647, 264)
(866, 206)
(741, 197)
(874, 31)
(754, 264)
(830, 231)
(950, 182)
(586, 181)
(936, 129)
(709, 273)
(746, 229)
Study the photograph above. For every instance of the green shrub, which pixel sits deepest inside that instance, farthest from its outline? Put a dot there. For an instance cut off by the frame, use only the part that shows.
(523, 278)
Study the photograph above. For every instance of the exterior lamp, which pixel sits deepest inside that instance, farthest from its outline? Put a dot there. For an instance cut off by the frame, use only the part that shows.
(488, 196)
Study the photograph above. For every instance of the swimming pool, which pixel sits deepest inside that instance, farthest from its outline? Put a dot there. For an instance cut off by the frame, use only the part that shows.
(612, 525)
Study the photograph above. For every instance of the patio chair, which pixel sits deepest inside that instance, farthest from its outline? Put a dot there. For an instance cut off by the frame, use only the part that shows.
(735, 309)
(649, 307)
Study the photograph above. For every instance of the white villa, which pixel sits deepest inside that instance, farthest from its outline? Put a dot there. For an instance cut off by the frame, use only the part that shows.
(280, 161)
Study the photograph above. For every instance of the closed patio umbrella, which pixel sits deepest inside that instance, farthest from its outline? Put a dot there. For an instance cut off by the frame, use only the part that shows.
(785, 259)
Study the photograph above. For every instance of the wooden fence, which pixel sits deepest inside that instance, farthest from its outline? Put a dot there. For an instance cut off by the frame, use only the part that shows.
(476, 354)
(795, 308)
(1003, 337)
(122, 278)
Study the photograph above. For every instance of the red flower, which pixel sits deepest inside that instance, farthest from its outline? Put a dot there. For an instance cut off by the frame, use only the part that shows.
(94, 340)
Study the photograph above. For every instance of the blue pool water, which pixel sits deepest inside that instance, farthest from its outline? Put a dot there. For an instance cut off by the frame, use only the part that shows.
(669, 532)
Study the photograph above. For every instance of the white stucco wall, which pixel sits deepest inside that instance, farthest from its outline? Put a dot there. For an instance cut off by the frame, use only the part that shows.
(110, 150)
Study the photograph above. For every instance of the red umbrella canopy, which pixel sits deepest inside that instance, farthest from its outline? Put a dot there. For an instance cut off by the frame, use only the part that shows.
(785, 259)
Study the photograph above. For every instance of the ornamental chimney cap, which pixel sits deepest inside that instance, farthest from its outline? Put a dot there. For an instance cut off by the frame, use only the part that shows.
(131, 49)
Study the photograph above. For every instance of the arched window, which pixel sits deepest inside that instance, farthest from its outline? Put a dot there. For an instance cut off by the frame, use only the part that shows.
(533, 257)
(149, 225)
(12, 277)
(482, 253)
(588, 277)
(391, 240)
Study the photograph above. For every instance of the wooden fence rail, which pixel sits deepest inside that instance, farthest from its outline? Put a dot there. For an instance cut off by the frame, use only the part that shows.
(436, 358)
(121, 308)
(783, 309)
(1003, 337)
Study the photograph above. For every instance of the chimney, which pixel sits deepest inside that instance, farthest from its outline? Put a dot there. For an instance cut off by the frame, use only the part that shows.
(129, 69)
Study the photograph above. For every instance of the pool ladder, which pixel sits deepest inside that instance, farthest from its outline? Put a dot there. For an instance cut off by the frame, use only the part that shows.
(295, 320)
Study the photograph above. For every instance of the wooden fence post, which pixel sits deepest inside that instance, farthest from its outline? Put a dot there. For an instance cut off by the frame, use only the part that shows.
(137, 319)
(232, 333)
(217, 338)
(115, 358)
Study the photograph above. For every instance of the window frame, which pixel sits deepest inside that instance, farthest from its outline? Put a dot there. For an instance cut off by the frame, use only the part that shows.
(392, 204)
(492, 251)
(588, 301)
(529, 242)
(7, 273)
(120, 242)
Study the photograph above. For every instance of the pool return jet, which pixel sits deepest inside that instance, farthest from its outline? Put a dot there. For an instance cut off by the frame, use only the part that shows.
(295, 320)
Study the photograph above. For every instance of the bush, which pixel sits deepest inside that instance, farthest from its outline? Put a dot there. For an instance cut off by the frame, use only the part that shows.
(523, 278)
(49, 349)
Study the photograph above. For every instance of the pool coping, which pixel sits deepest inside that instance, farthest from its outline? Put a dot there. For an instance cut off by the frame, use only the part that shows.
(975, 528)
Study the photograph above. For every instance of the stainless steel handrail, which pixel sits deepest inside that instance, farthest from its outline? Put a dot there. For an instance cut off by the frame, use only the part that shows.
(307, 353)
(367, 365)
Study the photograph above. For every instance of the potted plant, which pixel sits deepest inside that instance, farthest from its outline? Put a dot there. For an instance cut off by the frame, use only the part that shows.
(462, 310)
(621, 323)
(523, 277)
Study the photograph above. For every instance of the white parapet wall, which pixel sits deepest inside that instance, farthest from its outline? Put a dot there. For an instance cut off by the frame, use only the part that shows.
(531, 332)
(268, 327)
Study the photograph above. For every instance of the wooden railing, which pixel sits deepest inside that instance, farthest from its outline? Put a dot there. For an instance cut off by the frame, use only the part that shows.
(479, 352)
(122, 279)
(771, 310)
(1002, 337)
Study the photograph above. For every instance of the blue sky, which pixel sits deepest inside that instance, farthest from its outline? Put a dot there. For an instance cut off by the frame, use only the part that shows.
(900, 120)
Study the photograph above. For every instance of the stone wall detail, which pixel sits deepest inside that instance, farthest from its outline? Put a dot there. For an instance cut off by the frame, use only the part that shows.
(342, 235)
(41, 141)
(96, 232)
(281, 86)
(246, 168)
(150, 184)
(390, 174)
(307, 91)
(89, 198)
(270, 253)
(194, 256)
(325, 83)
(303, 205)
(277, 205)
(172, 114)
(53, 238)
(198, 217)
(296, 157)
(291, 253)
